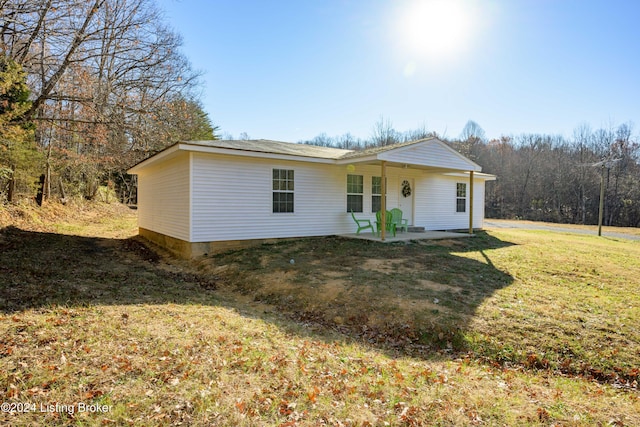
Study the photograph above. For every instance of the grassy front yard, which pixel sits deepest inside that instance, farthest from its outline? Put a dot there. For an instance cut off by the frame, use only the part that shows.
(553, 301)
(512, 327)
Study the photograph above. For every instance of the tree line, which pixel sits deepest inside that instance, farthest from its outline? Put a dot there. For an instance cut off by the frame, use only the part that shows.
(88, 89)
(553, 178)
(540, 177)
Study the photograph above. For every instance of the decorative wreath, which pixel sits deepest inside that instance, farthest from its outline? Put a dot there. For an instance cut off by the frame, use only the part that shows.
(406, 188)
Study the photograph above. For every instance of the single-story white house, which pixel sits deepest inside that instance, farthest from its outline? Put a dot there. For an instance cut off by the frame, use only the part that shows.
(198, 197)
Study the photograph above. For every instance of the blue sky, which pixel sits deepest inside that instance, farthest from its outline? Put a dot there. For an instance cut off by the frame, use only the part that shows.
(290, 70)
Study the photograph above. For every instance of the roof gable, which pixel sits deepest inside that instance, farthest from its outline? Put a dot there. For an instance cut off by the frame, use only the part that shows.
(430, 153)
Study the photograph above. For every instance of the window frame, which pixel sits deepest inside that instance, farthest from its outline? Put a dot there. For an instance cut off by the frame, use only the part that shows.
(376, 195)
(461, 200)
(283, 191)
(355, 195)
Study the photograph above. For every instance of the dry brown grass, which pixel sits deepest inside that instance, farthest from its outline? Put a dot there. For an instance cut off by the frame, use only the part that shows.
(109, 220)
(231, 340)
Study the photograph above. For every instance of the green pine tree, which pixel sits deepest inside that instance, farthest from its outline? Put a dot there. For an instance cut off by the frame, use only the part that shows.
(20, 160)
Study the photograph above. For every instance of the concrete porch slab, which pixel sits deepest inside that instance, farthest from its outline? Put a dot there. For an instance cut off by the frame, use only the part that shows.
(407, 236)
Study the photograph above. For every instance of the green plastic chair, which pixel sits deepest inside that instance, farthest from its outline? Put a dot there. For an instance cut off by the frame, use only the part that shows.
(398, 221)
(362, 224)
(390, 225)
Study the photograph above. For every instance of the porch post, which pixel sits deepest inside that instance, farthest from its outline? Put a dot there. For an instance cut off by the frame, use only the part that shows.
(383, 201)
(470, 202)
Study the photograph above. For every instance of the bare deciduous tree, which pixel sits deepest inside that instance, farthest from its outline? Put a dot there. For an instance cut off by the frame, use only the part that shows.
(108, 81)
(384, 133)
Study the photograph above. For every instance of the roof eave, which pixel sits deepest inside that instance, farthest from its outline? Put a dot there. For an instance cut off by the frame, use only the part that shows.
(370, 158)
(476, 175)
(186, 147)
(374, 157)
(172, 149)
(257, 154)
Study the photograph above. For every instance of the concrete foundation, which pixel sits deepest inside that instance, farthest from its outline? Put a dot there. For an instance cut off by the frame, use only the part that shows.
(183, 249)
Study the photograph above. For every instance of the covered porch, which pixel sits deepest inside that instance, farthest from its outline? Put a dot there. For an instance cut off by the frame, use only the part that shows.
(407, 236)
(409, 163)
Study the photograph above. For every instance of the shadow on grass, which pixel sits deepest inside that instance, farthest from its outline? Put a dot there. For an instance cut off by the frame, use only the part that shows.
(46, 269)
(414, 298)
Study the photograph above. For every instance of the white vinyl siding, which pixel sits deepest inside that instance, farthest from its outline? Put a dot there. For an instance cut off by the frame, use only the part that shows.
(232, 199)
(435, 204)
(368, 173)
(430, 153)
(202, 197)
(163, 198)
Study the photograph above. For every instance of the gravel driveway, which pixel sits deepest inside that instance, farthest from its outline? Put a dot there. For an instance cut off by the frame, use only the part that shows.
(489, 223)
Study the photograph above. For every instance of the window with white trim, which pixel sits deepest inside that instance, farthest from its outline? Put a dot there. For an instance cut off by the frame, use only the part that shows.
(355, 193)
(461, 197)
(282, 190)
(376, 193)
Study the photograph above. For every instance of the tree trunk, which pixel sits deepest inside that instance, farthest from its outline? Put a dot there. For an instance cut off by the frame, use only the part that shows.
(47, 182)
(39, 196)
(63, 194)
(12, 185)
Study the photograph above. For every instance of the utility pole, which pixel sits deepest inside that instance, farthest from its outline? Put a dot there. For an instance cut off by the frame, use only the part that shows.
(603, 164)
(601, 209)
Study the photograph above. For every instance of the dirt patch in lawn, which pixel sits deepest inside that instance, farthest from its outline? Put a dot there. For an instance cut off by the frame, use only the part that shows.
(384, 265)
(396, 294)
(437, 287)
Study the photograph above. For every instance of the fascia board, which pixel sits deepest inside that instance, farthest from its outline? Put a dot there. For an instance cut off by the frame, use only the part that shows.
(255, 154)
(476, 175)
(371, 158)
(154, 159)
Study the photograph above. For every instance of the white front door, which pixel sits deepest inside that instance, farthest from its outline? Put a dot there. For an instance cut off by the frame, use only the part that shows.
(405, 198)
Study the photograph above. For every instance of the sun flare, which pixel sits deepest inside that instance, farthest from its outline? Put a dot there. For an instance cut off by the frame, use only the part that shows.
(435, 29)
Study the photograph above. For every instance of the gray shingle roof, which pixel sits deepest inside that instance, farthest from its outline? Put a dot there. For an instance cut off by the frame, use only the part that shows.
(377, 150)
(292, 149)
(304, 150)
(275, 147)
